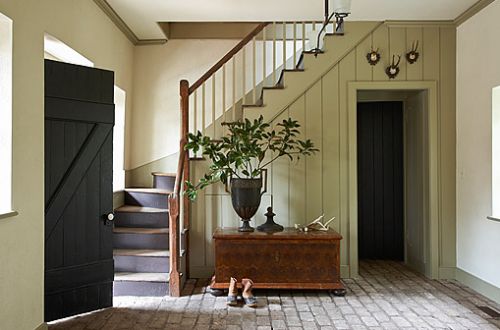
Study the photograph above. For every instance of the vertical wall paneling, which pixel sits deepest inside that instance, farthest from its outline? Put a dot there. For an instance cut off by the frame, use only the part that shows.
(297, 209)
(430, 53)
(313, 129)
(414, 71)
(197, 228)
(279, 183)
(321, 183)
(363, 68)
(330, 147)
(381, 41)
(397, 42)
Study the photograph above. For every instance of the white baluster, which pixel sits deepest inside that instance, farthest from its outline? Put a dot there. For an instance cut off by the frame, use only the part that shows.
(224, 97)
(234, 89)
(264, 56)
(195, 106)
(303, 36)
(243, 76)
(213, 106)
(284, 45)
(254, 72)
(294, 44)
(274, 53)
(203, 108)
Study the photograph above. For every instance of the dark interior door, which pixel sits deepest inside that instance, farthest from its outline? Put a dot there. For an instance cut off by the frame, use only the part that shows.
(79, 119)
(380, 180)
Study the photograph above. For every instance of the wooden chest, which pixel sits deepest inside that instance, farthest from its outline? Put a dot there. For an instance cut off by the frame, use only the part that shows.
(290, 259)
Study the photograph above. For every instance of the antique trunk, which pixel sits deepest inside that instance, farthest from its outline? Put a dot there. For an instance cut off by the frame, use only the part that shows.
(290, 259)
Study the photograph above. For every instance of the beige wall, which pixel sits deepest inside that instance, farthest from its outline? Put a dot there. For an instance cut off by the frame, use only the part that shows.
(320, 184)
(82, 26)
(158, 69)
(478, 71)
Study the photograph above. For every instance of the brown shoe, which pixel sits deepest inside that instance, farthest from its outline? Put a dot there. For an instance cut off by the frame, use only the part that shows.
(232, 296)
(247, 294)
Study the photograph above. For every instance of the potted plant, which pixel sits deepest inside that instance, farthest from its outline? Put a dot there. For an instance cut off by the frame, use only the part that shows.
(239, 158)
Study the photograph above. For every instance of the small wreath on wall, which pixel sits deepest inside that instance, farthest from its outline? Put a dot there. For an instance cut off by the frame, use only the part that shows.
(412, 56)
(373, 57)
(393, 70)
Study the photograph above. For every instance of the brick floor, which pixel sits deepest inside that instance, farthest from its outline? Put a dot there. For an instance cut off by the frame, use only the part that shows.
(386, 296)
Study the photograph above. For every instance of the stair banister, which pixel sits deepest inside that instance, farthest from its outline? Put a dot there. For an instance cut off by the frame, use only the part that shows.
(227, 57)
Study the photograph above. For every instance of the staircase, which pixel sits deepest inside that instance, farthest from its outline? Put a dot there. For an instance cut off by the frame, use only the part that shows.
(141, 240)
(152, 229)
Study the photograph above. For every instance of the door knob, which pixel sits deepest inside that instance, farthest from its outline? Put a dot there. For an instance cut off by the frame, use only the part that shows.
(110, 216)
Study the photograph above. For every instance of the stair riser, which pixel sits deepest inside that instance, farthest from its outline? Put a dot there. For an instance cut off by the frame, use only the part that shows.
(146, 199)
(139, 264)
(164, 182)
(140, 241)
(142, 220)
(140, 289)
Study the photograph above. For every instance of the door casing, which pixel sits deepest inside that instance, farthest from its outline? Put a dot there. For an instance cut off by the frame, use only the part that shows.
(431, 184)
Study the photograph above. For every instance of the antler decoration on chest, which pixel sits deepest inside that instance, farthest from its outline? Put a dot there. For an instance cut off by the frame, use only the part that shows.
(393, 70)
(412, 55)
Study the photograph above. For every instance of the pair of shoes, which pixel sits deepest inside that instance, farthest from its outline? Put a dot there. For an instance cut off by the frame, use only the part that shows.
(248, 297)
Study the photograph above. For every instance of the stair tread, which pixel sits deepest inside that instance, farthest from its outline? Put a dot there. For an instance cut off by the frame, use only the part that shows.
(138, 230)
(141, 253)
(274, 87)
(149, 190)
(139, 209)
(293, 70)
(258, 105)
(141, 277)
(163, 174)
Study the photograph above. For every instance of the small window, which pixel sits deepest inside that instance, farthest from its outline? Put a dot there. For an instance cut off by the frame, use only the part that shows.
(5, 114)
(495, 152)
(57, 50)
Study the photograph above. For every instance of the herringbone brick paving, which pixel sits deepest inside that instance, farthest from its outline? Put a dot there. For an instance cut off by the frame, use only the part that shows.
(387, 295)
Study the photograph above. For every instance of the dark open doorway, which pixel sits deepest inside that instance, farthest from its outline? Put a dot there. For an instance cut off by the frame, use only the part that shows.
(380, 180)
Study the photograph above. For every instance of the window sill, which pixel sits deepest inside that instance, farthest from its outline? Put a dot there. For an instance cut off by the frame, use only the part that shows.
(8, 215)
(492, 218)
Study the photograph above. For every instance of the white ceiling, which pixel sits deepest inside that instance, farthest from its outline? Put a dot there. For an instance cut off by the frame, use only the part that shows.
(142, 16)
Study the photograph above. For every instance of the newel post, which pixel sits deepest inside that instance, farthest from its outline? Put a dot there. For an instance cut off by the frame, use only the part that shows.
(174, 201)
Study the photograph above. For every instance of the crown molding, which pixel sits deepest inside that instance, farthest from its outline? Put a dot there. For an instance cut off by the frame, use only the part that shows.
(471, 11)
(120, 24)
(399, 23)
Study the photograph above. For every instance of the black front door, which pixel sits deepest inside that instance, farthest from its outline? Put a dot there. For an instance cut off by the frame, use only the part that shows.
(380, 180)
(79, 119)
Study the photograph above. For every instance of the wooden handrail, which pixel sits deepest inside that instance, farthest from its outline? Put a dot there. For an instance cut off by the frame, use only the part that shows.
(227, 57)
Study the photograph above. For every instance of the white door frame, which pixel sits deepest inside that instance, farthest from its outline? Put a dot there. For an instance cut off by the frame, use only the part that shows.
(431, 184)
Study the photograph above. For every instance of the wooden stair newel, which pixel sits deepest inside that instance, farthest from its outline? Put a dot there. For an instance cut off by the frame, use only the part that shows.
(174, 202)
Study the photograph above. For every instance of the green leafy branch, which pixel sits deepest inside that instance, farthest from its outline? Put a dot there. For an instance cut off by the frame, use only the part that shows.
(242, 153)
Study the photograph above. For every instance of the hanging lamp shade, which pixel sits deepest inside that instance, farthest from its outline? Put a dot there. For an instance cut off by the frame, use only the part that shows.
(340, 6)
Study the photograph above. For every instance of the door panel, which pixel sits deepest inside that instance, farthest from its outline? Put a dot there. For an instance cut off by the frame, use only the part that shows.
(380, 180)
(79, 118)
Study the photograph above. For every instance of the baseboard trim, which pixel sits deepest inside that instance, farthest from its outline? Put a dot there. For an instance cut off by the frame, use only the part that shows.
(447, 273)
(486, 289)
(42, 326)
